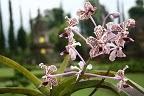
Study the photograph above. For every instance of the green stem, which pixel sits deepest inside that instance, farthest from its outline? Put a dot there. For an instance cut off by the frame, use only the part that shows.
(6, 61)
(18, 90)
(99, 84)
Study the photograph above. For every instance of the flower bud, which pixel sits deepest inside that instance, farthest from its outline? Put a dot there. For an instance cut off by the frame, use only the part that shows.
(115, 15)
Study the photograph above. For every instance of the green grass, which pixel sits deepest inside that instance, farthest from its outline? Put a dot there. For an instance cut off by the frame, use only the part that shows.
(6, 72)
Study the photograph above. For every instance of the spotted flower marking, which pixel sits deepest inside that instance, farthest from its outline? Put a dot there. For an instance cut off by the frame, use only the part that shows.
(48, 79)
(120, 75)
(86, 12)
(99, 44)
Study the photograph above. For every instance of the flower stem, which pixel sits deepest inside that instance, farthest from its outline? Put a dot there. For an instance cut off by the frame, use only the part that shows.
(105, 20)
(86, 74)
(64, 74)
(80, 35)
(93, 21)
(79, 55)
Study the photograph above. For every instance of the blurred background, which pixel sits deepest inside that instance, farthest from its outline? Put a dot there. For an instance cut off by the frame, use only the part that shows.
(29, 32)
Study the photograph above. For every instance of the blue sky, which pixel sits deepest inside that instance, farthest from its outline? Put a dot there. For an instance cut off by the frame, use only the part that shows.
(70, 6)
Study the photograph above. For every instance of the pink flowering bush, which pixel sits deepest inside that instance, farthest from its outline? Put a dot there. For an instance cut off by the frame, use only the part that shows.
(109, 39)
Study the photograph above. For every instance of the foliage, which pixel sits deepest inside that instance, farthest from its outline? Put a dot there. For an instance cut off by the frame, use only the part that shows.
(136, 12)
(59, 44)
(11, 36)
(2, 38)
(58, 16)
(21, 39)
(54, 17)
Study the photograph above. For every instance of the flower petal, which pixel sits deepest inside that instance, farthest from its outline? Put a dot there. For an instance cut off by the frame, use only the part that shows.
(81, 65)
(91, 41)
(98, 30)
(74, 68)
(112, 55)
(72, 54)
(51, 69)
(120, 53)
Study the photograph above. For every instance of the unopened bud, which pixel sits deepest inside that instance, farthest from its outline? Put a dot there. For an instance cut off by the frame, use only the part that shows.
(62, 53)
(115, 15)
(126, 67)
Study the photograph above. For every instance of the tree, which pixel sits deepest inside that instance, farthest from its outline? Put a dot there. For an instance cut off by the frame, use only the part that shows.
(11, 36)
(137, 11)
(2, 38)
(21, 37)
(58, 14)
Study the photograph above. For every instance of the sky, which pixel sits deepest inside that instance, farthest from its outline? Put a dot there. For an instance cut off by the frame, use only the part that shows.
(69, 6)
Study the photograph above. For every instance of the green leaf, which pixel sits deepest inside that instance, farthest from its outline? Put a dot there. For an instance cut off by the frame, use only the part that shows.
(72, 86)
(90, 84)
(136, 86)
(19, 90)
(64, 64)
(6, 61)
(66, 82)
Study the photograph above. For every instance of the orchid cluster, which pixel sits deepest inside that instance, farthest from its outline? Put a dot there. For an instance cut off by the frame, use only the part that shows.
(110, 39)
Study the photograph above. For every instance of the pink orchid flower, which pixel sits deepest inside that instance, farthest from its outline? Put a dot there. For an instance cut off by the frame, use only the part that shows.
(47, 78)
(86, 12)
(122, 80)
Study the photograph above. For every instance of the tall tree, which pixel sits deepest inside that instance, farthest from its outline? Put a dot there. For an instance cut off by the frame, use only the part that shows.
(11, 36)
(58, 14)
(2, 38)
(21, 38)
(137, 11)
(30, 20)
